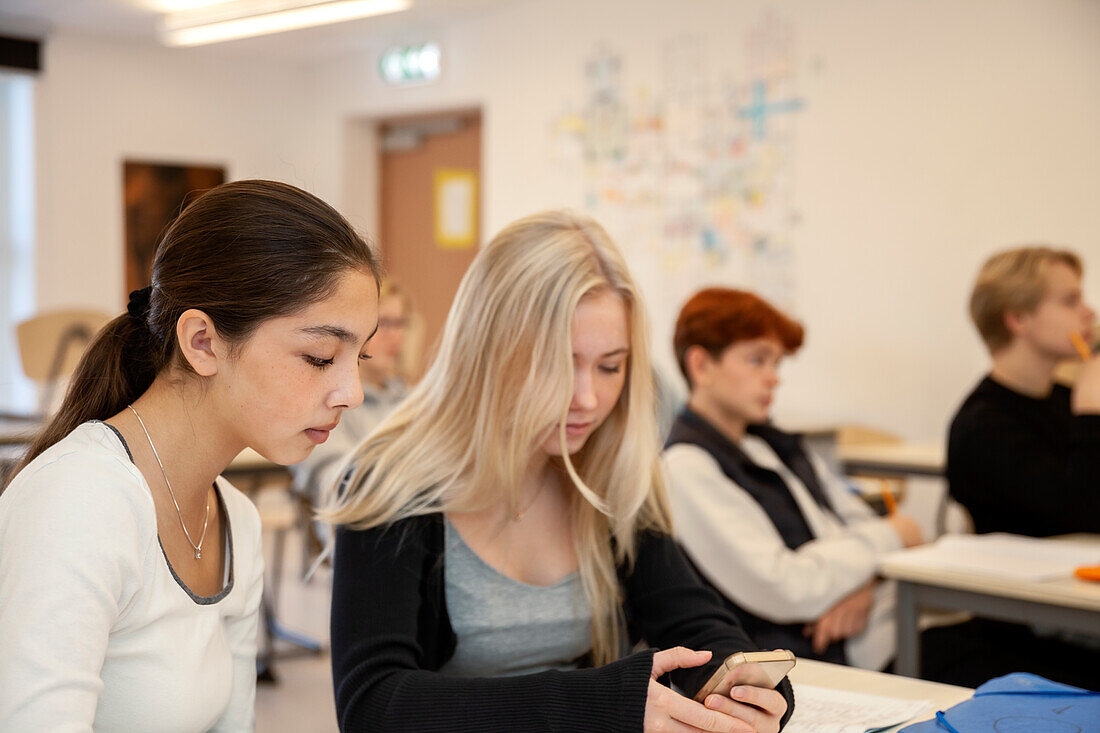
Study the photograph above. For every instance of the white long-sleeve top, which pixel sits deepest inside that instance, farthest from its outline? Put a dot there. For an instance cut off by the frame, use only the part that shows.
(734, 543)
(97, 633)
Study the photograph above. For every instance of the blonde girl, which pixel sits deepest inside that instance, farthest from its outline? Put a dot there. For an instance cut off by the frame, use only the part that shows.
(504, 534)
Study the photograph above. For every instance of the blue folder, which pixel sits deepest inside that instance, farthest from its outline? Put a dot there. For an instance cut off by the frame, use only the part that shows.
(1019, 703)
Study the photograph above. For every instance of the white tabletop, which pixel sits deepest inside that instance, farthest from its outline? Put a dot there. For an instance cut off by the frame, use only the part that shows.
(1065, 591)
(916, 457)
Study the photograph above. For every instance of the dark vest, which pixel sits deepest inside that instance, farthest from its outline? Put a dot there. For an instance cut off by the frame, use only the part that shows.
(773, 495)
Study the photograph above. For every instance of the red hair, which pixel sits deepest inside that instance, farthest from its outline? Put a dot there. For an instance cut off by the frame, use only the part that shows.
(716, 318)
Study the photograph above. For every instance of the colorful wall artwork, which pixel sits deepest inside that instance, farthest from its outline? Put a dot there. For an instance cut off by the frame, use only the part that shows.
(692, 171)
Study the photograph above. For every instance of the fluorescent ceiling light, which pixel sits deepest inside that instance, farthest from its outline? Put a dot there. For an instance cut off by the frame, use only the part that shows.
(174, 6)
(239, 19)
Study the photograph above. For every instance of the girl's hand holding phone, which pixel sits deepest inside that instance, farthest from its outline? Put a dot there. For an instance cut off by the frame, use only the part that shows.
(746, 709)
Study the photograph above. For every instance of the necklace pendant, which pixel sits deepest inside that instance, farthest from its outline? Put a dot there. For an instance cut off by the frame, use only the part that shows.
(198, 554)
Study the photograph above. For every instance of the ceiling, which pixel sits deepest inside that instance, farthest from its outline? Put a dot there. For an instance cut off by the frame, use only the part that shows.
(138, 21)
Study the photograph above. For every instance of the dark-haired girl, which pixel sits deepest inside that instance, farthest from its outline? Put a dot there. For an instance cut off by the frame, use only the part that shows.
(130, 571)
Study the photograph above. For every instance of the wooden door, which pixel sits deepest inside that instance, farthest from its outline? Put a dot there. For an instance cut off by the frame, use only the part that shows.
(430, 210)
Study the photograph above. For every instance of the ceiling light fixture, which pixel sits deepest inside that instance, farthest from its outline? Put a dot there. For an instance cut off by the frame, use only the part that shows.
(246, 18)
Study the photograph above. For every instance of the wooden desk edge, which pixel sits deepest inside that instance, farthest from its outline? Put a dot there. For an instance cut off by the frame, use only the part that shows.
(1067, 591)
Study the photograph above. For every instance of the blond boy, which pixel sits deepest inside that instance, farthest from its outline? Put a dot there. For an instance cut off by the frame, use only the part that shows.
(1023, 452)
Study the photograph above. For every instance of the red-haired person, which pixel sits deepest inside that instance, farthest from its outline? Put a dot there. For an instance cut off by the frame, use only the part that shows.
(784, 541)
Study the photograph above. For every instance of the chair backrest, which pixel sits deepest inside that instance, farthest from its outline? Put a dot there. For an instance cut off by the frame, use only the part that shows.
(51, 344)
(953, 517)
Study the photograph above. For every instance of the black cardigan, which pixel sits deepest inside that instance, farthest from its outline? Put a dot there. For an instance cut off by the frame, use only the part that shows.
(1023, 464)
(391, 633)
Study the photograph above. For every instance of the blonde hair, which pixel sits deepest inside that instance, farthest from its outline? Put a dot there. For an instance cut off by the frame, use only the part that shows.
(1013, 281)
(463, 438)
(392, 288)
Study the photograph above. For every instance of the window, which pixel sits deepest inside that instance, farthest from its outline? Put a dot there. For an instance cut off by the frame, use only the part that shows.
(17, 277)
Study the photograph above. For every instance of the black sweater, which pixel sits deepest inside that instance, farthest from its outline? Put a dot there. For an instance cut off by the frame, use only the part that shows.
(1025, 465)
(391, 633)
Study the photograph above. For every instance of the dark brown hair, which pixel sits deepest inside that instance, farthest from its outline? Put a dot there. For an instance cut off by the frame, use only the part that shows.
(243, 253)
(716, 318)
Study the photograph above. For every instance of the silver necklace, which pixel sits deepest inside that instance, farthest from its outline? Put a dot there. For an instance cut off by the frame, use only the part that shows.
(519, 515)
(206, 521)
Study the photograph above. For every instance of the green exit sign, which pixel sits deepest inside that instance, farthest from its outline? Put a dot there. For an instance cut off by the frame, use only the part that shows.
(415, 64)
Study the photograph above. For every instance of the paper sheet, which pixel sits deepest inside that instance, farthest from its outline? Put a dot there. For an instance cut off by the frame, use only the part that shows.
(824, 710)
(1004, 555)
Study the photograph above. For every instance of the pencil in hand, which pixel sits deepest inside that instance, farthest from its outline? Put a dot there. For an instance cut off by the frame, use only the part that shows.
(1080, 344)
(888, 498)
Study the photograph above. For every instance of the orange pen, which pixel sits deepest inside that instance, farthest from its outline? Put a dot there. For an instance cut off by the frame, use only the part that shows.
(888, 498)
(1081, 346)
(1088, 572)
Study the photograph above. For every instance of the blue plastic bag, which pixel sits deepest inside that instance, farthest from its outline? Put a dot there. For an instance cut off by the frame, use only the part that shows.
(1019, 703)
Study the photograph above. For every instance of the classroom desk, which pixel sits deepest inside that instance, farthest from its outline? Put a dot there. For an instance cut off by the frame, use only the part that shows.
(250, 471)
(839, 677)
(1065, 603)
(17, 432)
(15, 435)
(902, 459)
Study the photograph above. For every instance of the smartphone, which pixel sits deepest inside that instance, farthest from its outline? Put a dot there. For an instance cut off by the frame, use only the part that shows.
(759, 669)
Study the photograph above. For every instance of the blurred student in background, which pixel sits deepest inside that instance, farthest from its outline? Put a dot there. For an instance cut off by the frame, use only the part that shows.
(1023, 453)
(786, 543)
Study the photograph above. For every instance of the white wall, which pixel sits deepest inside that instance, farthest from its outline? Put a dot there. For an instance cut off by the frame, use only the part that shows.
(100, 102)
(934, 132)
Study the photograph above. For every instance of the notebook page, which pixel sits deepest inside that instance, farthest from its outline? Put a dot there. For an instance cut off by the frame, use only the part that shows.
(825, 710)
(1004, 555)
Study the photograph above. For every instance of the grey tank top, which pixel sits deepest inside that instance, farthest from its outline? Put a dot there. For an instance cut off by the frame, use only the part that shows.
(506, 627)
